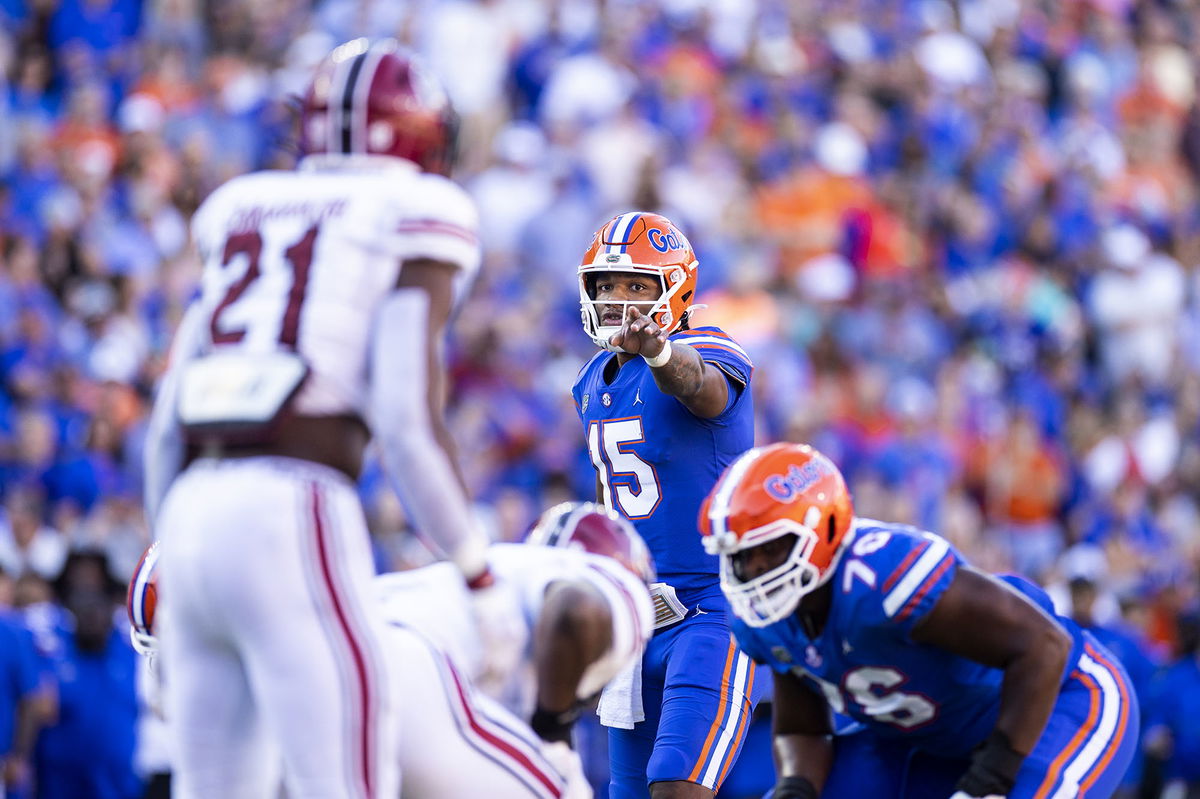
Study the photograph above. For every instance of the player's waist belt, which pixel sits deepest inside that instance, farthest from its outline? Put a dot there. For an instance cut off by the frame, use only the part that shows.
(667, 608)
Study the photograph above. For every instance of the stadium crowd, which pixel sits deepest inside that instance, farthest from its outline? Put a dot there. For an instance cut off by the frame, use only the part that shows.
(959, 240)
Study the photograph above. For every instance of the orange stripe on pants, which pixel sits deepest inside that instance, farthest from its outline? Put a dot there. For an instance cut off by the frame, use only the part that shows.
(1056, 766)
(716, 725)
(746, 710)
(1119, 733)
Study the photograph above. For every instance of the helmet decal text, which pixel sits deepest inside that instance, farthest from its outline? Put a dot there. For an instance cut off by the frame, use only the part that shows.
(661, 242)
(786, 487)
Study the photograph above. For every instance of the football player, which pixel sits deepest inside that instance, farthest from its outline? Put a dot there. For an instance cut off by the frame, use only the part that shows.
(582, 576)
(325, 293)
(665, 408)
(586, 613)
(966, 685)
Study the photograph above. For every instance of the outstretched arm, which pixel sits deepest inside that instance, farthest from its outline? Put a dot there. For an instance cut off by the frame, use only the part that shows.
(701, 387)
(164, 449)
(407, 411)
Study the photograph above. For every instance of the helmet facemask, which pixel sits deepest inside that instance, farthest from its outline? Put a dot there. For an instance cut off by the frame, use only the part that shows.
(775, 594)
(660, 312)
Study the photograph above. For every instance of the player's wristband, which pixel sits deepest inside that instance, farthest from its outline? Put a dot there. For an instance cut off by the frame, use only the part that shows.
(794, 788)
(662, 358)
(552, 726)
(993, 769)
(471, 559)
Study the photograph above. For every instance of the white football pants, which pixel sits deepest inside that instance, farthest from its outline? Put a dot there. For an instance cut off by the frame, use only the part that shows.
(459, 744)
(271, 641)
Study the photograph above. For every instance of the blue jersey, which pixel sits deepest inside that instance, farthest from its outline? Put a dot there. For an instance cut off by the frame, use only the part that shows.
(18, 674)
(864, 662)
(656, 460)
(1174, 703)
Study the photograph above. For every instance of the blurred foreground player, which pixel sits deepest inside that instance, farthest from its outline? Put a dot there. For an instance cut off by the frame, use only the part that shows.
(966, 685)
(588, 617)
(586, 614)
(326, 291)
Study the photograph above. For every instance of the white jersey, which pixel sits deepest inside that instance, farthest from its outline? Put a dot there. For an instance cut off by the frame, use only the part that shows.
(298, 261)
(435, 601)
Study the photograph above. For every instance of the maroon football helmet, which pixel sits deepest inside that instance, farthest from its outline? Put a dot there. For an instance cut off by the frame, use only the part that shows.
(376, 98)
(595, 529)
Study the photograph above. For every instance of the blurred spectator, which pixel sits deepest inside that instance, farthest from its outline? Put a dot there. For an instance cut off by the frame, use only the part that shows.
(1136, 301)
(19, 688)
(26, 542)
(88, 751)
(1173, 712)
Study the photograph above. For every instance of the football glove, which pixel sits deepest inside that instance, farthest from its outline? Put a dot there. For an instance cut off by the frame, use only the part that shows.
(993, 769)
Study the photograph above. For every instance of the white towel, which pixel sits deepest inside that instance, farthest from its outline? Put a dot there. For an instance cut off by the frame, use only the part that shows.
(621, 700)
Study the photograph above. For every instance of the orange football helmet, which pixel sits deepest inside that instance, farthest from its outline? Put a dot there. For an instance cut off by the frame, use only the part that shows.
(768, 493)
(141, 602)
(646, 244)
(593, 528)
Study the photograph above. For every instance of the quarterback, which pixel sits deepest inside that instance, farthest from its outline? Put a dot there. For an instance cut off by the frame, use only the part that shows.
(665, 408)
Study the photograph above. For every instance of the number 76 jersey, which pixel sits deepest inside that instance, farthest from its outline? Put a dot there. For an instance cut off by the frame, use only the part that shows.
(298, 261)
(865, 664)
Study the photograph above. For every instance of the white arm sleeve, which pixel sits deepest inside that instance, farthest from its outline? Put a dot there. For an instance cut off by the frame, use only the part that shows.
(415, 461)
(163, 455)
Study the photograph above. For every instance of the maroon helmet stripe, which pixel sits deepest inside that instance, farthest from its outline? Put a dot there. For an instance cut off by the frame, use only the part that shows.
(348, 103)
(361, 83)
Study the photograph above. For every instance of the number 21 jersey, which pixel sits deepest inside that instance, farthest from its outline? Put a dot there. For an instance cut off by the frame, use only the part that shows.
(299, 260)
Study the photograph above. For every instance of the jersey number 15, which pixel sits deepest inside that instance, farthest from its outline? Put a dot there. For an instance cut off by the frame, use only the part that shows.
(607, 441)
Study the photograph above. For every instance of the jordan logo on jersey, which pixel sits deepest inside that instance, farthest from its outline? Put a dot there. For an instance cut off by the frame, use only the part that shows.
(638, 397)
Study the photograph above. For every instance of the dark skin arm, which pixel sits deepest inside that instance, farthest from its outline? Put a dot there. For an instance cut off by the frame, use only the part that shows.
(701, 387)
(800, 731)
(436, 279)
(573, 631)
(980, 618)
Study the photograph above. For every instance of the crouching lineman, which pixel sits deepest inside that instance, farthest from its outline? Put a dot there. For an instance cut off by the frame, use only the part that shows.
(966, 685)
(460, 743)
(586, 617)
(582, 578)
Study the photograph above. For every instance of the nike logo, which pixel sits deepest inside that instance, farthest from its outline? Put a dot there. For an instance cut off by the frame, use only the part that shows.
(638, 397)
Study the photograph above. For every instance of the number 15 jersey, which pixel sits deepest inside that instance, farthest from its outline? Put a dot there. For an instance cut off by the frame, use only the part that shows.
(656, 460)
(299, 260)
